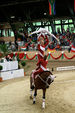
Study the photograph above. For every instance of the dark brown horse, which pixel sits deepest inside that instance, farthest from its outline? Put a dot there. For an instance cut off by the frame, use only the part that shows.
(41, 81)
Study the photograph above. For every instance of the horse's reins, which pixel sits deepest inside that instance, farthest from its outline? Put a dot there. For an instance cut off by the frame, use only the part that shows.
(44, 80)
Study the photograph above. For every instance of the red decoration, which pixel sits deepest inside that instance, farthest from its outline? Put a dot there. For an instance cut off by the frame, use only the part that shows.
(55, 58)
(68, 57)
(30, 58)
(21, 55)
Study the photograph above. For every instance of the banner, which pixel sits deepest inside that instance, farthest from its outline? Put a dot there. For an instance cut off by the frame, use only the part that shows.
(51, 50)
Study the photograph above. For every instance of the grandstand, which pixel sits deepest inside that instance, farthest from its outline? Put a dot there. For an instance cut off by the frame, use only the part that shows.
(19, 18)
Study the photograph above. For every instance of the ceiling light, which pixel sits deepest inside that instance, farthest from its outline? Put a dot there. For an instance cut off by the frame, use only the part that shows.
(12, 17)
(44, 13)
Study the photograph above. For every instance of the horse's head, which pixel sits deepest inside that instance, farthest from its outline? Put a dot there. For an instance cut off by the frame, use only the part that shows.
(50, 79)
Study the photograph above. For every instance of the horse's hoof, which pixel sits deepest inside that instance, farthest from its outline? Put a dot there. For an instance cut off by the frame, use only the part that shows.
(32, 87)
(43, 105)
(33, 102)
(47, 86)
(31, 97)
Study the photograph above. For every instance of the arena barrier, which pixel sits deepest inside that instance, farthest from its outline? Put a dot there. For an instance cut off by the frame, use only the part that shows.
(11, 65)
(65, 68)
(12, 74)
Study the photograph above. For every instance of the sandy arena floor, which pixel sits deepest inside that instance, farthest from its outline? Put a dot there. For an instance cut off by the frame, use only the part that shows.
(60, 97)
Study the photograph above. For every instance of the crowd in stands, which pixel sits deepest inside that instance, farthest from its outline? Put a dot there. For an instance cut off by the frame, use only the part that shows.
(25, 42)
(66, 38)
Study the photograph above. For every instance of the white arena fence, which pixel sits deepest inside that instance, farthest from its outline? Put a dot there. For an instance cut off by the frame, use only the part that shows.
(11, 65)
(10, 70)
(65, 68)
(12, 74)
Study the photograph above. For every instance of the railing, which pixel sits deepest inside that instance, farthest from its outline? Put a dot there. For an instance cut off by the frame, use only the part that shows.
(25, 56)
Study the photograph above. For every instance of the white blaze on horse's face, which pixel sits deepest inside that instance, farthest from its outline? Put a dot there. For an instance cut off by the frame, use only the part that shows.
(52, 77)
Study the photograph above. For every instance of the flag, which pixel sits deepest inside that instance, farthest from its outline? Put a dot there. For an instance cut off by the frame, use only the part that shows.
(51, 50)
(73, 48)
(74, 5)
(23, 48)
(52, 7)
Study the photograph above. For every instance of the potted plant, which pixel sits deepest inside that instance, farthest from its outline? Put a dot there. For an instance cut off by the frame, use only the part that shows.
(0, 73)
(23, 63)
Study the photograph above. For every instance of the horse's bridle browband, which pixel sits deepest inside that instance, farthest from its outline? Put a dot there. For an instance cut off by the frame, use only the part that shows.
(46, 82)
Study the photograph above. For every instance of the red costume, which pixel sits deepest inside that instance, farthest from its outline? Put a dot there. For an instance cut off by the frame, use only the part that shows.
(41, 48)
(43, 64)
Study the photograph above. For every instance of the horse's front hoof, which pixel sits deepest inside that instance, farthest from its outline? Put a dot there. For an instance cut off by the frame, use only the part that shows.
(32, 87)
(33, 102)
(47, 86)
(31, 97)
(43, 106)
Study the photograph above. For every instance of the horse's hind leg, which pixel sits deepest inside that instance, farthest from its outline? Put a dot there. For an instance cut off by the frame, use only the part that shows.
(43, 103)
(34, 98)
(31, 94)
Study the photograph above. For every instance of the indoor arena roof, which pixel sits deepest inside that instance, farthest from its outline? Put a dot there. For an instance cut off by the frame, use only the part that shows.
(30, 10)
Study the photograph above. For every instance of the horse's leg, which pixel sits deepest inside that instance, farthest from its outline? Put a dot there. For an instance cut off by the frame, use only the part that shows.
(31, 86)
(34, 98)
(31, 93)
(43, 103)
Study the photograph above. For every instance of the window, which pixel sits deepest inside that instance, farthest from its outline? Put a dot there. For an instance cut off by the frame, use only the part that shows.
(48, 23)
(3, 33)
(34, 23)
(50, 29)
(65, 27)
(58, 27)
(70, 21)
(0, 33)
(64, 21)
(6, 32)
(71, 27)
(58, 22)
(11, 33)
(38, 23)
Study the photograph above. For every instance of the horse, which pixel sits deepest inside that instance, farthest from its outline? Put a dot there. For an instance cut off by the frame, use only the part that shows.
(41, 81)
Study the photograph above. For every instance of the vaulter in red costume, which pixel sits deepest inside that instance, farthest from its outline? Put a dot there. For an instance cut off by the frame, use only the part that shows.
(42, 63)
(41, 46)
